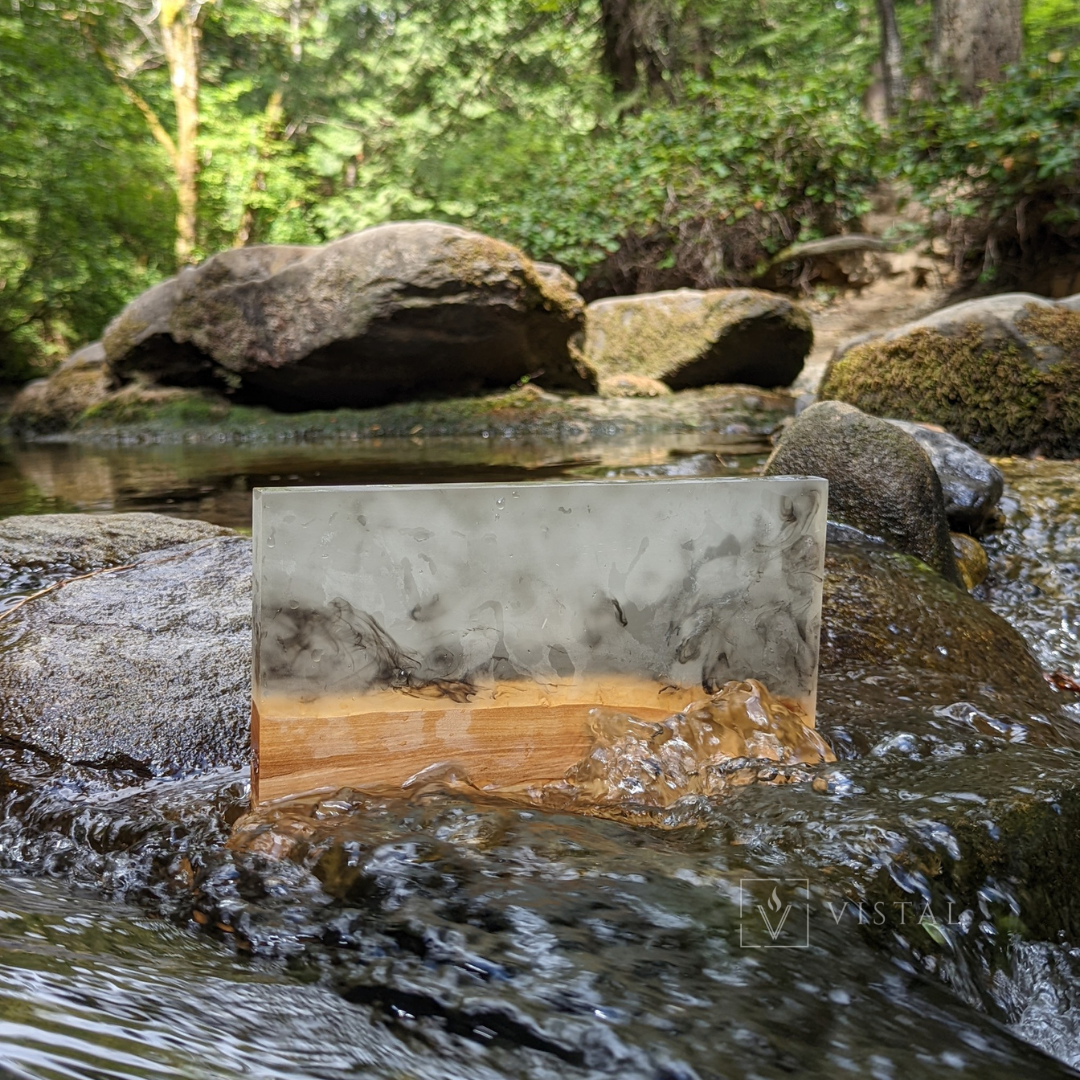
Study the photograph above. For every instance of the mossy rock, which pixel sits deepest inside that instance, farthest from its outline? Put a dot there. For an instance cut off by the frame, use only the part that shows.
(880, 479)
(141, 403)
(925, 639)
(688, 338)
(50, 405)
(1002, 373)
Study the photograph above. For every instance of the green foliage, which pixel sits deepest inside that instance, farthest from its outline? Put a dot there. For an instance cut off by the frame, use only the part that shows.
(745, 132)
(708, 187)
(85, 214)
(1051, 25)
(1002, 175)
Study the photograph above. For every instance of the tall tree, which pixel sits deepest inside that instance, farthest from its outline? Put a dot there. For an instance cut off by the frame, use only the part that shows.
(140, 36)
(975, 40)
(179, 25)
(892, 57)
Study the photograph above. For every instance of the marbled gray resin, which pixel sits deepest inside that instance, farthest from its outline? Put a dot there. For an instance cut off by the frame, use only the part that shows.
(434, 590)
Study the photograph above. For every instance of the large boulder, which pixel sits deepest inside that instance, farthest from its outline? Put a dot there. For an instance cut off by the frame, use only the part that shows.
(1002, 373)
(53, 404)
(972, 485)
(145, 669)
(880, 480)
(406, 310)
(689, 338)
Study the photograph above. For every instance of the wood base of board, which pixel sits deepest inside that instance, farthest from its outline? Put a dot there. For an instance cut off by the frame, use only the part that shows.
(503, 739)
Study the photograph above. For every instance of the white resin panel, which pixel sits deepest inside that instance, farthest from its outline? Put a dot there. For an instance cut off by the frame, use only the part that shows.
(436, 594)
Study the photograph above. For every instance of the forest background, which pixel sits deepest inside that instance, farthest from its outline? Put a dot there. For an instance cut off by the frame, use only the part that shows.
(641, 144)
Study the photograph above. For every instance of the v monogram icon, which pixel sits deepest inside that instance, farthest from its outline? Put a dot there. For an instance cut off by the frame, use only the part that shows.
(774, 931)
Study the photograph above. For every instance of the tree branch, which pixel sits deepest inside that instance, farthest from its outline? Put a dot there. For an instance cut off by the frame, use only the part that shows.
(157, 129)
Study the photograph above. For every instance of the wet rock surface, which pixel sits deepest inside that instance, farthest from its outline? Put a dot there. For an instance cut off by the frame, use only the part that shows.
(972, 486)
(688, 338)
(951, 368)
(453, 933)
(1034, 579)
(880, 480)
(887, 616)
(144, 669)
(63, 544)
(406, 310)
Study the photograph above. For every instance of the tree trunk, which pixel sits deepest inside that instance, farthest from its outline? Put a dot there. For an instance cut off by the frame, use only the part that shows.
(892, 58)
(620, 46)
(180, 43)
(974, 40)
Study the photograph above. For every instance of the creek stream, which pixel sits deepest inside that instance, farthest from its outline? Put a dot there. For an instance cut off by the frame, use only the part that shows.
(926, 884)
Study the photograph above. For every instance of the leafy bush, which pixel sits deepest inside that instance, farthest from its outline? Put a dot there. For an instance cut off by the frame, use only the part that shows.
(1001, 177)
(86, 219)
(695, 194)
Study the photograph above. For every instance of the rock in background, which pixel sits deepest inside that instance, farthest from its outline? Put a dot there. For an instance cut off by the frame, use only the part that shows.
(53, 404)
(397, 312)
(972, 485)
(689, 338)
(1002, 373)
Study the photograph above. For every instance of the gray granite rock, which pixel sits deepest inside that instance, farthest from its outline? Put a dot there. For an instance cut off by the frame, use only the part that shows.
(690, 338)
(400, 311)
(880, 479)
(972, 485)
(78, 543)
(146, 668)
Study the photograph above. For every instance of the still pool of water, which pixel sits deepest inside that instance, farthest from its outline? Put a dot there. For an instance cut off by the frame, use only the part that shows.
(213, 481)
(454, 935)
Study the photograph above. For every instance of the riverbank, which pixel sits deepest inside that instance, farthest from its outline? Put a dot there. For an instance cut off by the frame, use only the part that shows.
(193, 417)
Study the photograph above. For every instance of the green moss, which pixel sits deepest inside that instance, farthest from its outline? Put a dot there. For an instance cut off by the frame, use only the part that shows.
(156, 415)
(982, 390)
(651, 339)
(174, 408)
(478, 260)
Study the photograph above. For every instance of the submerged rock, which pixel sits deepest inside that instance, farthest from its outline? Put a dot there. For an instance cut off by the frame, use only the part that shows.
(890, 620)
(146, 668)
(971, 560)
(399, 311)
(689, 338)
(880, 480)
(1001, 373)
(972, 485)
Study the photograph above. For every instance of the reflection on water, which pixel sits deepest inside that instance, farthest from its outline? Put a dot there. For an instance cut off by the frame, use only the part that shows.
(214, 482)
(446, 936)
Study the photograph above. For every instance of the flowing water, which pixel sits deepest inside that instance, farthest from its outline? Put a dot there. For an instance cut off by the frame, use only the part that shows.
(909, 910)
